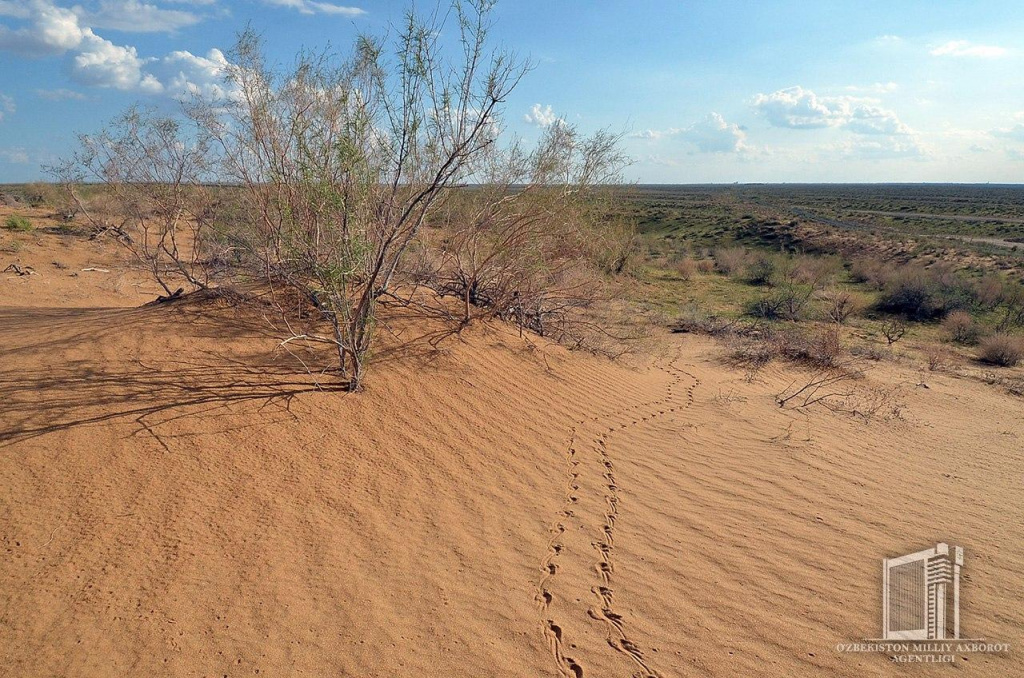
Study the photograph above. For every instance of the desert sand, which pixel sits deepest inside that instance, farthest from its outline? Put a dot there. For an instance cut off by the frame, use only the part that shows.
(180, 500)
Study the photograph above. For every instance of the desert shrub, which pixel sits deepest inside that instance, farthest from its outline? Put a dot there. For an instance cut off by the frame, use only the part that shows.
(989, 291)
(1005, 350)
(731, 261)
(839, 305)
(685, 268)
(17, 223)
(705, 265)
(761, 270)
(1013, 311)
(693, 318)
(962, 328)
(787, 302)
(872, 352)
(921, 294)
(815, 271)
(893, 329)
(936, 358)
(823, 349)
(872, 272)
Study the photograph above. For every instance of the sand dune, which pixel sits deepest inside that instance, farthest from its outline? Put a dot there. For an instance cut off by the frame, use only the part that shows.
(179, 500)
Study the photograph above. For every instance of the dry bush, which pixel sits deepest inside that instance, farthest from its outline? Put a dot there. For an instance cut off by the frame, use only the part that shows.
(814, 271)
(872, 352)
(822, 349)
(154, 170)
(872, 272)
(705, 265)
(1004, 350)
(893, 329)
(685, 269)
(990, 291)
(533, 243)
(732, 261)
(962, 328)
(920, 293)
(1013, 308)
(840, 305)
(693, 319)
(936, 358)
(786, 302)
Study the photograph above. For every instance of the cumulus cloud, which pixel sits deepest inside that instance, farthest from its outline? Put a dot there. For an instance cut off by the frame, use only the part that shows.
(541, 116)
(53, 30)
(98, 62)
(314, 7)
(186, 75)
(712, 134)
(7, 106)
(964, 48)
(875, 120)
(101, 63)
(798, 108)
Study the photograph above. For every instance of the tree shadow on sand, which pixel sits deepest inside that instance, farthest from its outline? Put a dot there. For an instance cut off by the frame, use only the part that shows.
(65, 368)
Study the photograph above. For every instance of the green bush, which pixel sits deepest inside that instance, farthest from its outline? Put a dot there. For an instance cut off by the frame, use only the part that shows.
(761, 270)
(920, 294)
(785, 303)
(17, 223)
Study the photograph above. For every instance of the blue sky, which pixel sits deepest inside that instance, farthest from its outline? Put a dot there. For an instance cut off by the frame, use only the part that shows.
(720, 91)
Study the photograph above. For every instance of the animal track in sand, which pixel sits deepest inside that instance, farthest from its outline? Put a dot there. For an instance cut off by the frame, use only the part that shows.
(604, 567)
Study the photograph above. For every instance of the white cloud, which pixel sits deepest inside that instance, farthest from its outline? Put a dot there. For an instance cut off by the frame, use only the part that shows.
(60, 94)
(876, 88)
(98, 62)
(541, 116)
(314, 7)
(7, 106)
(874, 120)
(714, 135)
(53, 30)
(15, 156)
(879, 148)
(1014, 133)
(964, 48)
(798, 108)
(101, 63)
(185, 75)
(15, 8)
(137, 17)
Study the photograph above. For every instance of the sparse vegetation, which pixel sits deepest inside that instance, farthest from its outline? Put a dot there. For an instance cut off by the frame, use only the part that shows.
(17, 223)
(962, 328)
(1004, 350)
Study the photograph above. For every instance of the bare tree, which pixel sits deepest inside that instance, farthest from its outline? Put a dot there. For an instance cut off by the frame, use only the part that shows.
(342, 163)
(532, 241)
(152, 172)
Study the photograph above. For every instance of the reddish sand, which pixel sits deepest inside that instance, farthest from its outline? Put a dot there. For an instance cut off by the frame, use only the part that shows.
(179, 500)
